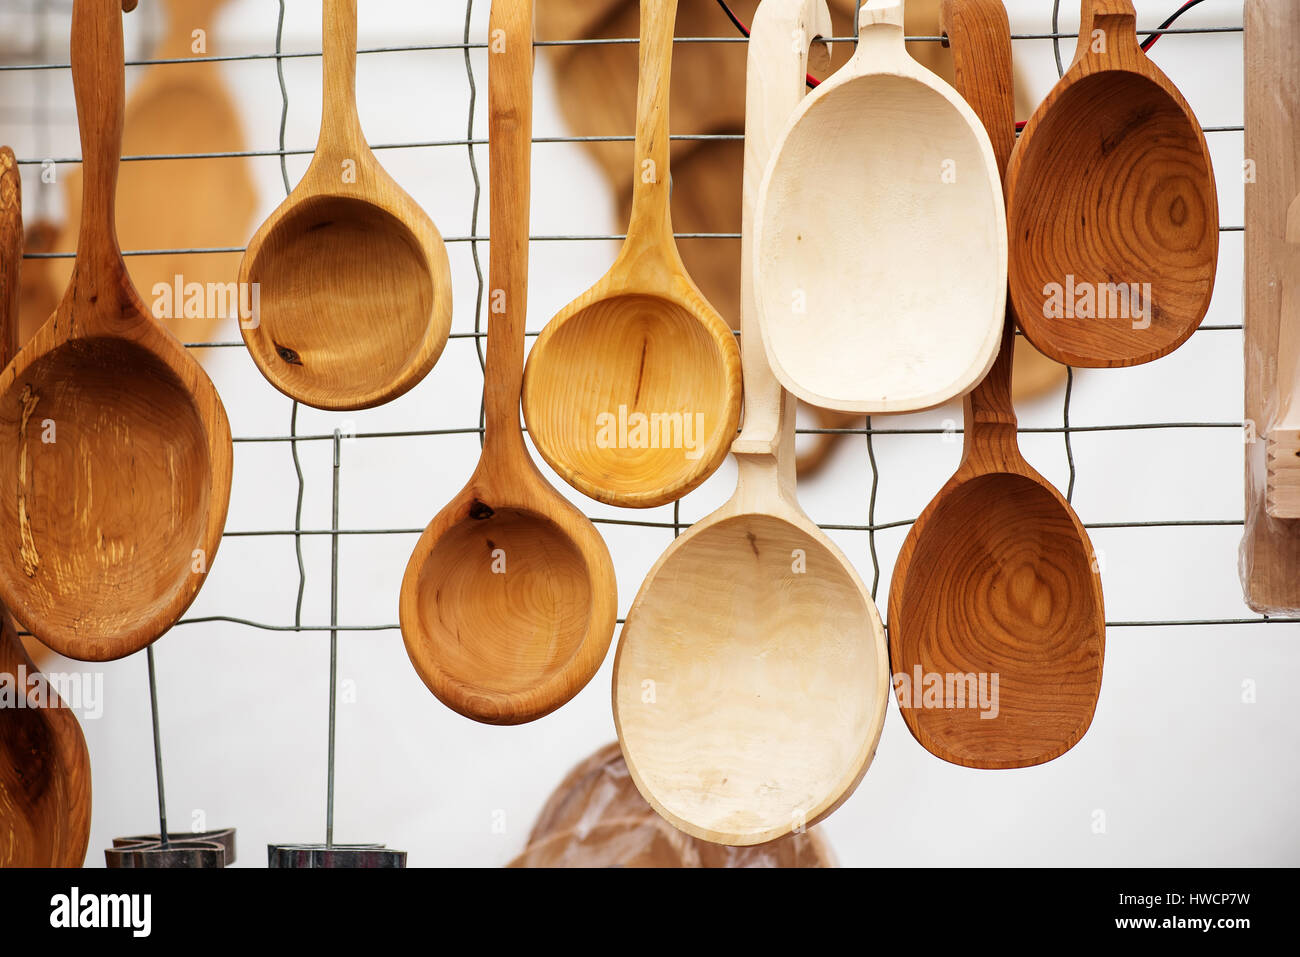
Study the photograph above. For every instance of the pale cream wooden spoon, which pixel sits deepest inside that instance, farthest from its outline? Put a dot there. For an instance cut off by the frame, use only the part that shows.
(882, 173)
(752, 674)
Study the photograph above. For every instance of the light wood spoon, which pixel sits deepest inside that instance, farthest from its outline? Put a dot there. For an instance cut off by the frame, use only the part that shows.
(509, 599)
(752, 678)
(117, 462)
(882, 173)
(44, 765)
(1110, 190)
(642, 345)
(996, 580)
(354, 278)
(1283, 483)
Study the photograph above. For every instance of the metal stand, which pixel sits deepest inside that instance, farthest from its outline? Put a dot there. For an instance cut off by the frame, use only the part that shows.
(164, 850)
(330, 854)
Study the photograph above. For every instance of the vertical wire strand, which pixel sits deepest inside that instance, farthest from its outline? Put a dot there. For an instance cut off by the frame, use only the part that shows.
(473, 229)
(157, 747)
(334, 643)
(1069, 372)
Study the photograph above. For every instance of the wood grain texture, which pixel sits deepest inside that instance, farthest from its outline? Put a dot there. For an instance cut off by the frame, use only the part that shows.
(1111, 184)
(1270, 547)
(996, 577)
(116, 459)
(509, 599)
(180, 108)
(44, 765)
(642, 341)
(751, 679)
(354, 277)
(1282, 498)
(882, 173)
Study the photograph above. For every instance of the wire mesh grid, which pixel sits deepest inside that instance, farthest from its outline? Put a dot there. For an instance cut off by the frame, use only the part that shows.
(875, 430)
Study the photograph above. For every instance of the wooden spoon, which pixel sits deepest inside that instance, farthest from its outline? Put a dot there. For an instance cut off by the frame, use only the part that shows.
(44, 765)
(509, 600)
(632, 392)
(883, 172)
(117, 472)
(996, 578)
(1111, 193)
(752, 678)
(1283, 483)
(354, 278)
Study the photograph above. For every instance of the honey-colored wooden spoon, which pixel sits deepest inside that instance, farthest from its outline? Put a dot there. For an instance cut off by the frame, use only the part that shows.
(882, 173)
(44, 765)
(509, 599)
(1282, 499)
(632, 392)
(751, 679)
(996, 626)
(1112, 207)
(354, 278)
(115, 469)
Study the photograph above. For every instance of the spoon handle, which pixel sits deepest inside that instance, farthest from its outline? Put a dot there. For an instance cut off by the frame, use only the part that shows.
(980, 37)
(880, 36)
(775, 85)
(99, 83)
(510, 130)
(1107, 28)
(651, 216)
(340, 131)
(11, 252)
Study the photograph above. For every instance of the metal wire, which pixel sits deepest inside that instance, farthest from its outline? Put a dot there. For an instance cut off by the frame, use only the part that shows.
(870, 431)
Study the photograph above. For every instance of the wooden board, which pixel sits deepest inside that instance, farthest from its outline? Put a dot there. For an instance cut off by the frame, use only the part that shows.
(1270, 549)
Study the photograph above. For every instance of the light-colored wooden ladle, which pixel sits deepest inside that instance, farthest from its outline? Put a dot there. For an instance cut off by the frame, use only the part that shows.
(116, 466)
(883, 172)
(44, 765)
(632, 392)
(1112, 207)
(752, 678)
(1282, 498)
(996, 626)
(354, 278)
(509, 599)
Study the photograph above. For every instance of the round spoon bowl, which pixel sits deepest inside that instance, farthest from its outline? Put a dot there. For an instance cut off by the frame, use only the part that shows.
(1131, 179)
(855, 323)
(995, 586)
(346, 293)
(106, 428)
(641, 427)
(747, 693)
(519, 584)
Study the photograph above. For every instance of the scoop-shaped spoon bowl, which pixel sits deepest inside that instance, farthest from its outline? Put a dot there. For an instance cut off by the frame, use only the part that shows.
(750, 679)
(632, 392)
(117, 464)
(353, 279)
(881, 175)
(1113, 211)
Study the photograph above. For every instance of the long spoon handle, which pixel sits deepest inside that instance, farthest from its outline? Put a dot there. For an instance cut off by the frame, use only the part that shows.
(99, 83)
(775, 86)
(510, 119)
(651, 218)
(1107, 27)
(11, 253)
(980, 36)
(340, 131)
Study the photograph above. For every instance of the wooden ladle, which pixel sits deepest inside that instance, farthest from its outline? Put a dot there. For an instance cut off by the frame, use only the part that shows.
(632, 392)
(509, 599)
(996, 580)
(354, 278)
(1282, 493)
(751, 679)
(44, 765)
(1112, 207)
(117, 460)
(881, 174)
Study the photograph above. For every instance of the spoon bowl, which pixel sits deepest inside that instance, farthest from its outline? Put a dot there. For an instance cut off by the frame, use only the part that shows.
(353, 278)
(1113, 212)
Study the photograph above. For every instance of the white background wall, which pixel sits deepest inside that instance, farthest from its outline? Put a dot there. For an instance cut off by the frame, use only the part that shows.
(1185, 772)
